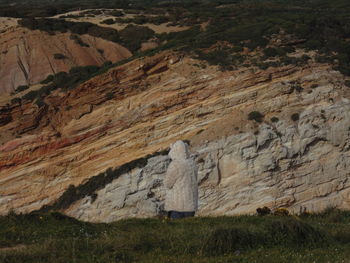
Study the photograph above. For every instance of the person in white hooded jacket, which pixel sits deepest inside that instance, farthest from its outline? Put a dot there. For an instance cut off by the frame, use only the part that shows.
(181, 183)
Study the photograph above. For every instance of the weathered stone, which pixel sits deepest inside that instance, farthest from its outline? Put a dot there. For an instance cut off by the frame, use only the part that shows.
(317, 177)
(242, 164)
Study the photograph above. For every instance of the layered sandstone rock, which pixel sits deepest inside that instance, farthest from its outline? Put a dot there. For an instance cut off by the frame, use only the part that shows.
(155, 101)
(302, 166)
(28, 57)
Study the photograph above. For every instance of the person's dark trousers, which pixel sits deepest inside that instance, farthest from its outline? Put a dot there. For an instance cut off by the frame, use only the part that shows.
(179, 215)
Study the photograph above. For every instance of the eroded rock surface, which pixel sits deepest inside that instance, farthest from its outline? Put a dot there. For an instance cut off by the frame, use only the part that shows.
(158, 100)
(299, 166)
(28, 57)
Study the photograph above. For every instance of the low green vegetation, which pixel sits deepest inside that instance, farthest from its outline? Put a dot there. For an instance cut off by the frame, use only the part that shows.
(295, 117)
(108, 21)
(52, 25)
(109, 95)
(77, 40)
(21, 88)
(53, 237)
(256, 116)
(274, 119)
(59, 56)
(16, 101)
(142, 19)
(133, 36)
(65, 81)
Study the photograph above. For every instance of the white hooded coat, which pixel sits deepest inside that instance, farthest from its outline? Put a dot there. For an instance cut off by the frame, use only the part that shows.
(181, 180)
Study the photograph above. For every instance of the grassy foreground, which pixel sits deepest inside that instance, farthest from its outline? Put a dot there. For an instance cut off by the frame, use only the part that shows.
(53, 237)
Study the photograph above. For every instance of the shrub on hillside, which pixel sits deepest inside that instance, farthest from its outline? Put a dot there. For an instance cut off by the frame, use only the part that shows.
(132, 36)
(16, 101)
(48, 79)
(270, 52)
(51, 25)
(78, 41)
(21, 88)
(139, 20)
(256, 116)
(295, 117)
(59, 56)
(274, 119)
(109, 34)
(31, 95)
(313, 44)
(40, 102)
(116, 13)
(109, 95)
(108, 21)
(281, 212)
(263, 211)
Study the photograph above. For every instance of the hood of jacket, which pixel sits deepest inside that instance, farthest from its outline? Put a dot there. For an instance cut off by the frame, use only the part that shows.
(179, 151)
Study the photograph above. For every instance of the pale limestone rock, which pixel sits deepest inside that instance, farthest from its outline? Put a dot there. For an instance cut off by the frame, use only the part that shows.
(135, 194)
(303, 166)
(241, 166)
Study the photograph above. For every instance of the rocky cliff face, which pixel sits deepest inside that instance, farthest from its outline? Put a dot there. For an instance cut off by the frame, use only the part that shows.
(28, 57)
(243, 164)
(302, 167)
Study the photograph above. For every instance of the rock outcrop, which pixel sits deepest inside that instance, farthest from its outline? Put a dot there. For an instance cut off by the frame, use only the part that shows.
(28, 57)
(303, 166)
(280, 162)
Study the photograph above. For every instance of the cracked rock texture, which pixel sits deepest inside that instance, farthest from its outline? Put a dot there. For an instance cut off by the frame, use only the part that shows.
(27, 57)
(157, 100)
(299, 166)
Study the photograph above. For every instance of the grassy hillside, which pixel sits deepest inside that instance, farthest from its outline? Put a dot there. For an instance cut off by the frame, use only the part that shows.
(56, 238)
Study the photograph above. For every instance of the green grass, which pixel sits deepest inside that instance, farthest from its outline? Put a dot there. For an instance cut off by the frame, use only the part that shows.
(52, 237)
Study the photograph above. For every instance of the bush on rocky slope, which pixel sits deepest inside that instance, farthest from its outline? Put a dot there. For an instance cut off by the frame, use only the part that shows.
(65, 81)
(256, 116)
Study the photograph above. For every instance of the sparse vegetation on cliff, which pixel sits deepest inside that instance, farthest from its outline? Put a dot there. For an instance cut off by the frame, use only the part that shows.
(132, 36)
(274, 119)
(21, 88)
(256, 116)
(66, 81)
(59, 56)
(51, 25)
(77, 40)
(295, 117)
(54, 237)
